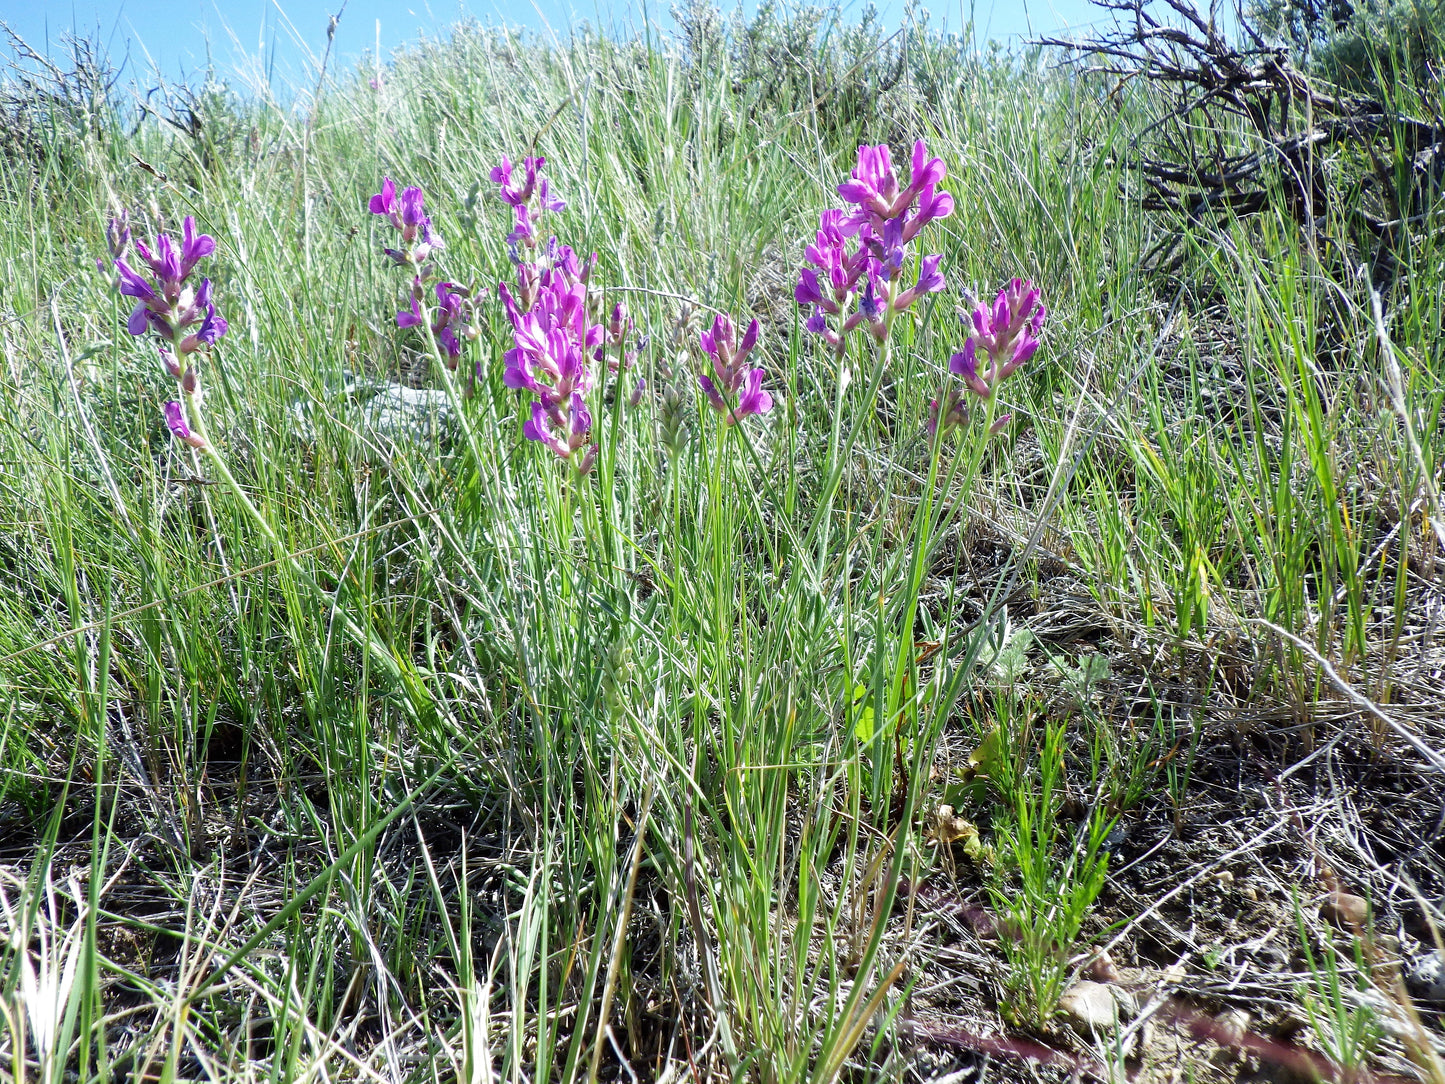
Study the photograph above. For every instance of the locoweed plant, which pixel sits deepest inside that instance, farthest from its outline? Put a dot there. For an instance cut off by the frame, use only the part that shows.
(736, 638)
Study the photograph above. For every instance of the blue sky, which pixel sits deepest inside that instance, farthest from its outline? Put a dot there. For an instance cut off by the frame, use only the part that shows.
(286, 37)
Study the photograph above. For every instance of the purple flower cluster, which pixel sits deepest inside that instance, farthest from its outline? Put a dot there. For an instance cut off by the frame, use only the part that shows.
(617, 337)
(884, 218)
(408, 217)
(522, 197)
(453, 321)
(182, 317)
(555, 340)
(1004, 337)
(735, 383)
(168, 306)
(948, 411)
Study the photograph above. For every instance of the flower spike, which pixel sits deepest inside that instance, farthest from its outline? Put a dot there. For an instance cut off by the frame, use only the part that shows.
(884, 219)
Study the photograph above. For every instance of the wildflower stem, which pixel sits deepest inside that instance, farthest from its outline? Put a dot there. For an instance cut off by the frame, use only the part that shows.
(195, 418)
(835, 440)
(454, 396)
(607, 472)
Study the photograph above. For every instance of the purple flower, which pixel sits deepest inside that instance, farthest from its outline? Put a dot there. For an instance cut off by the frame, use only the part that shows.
(133, 285)
(965, 364)
(619, 323)
(884, 220)
(550, 202)
(728, 355)
(524, 232)
(930, 281)
(886, 250)
(1008, 330)
(581, 270)
(407, 215)
(529, 278)
(383, 201)
(714, 397)
(410, 317)
(194, 246)
(869, 305)
(555, 342)
(212, 328)
(947, 411)
(165, 262)
(521, 198)
(808, 292)
(931, 205)
(840, 269)
(139, 320)
(872, 186)
(427, 243)
(875, 190)
(502, 175)
(453, 320)
(829, 253)
(513, 195)
(732, 377)
(413, 213)
(165, 304)
(752, 399)
(818, 325)
(563, 430)
(926, 171)
(1006, 333)
(176, 422)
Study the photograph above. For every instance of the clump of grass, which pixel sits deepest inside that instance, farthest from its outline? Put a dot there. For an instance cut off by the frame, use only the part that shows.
(1046, 889)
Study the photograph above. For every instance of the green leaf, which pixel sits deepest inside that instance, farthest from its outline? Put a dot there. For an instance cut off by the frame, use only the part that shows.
(986, 760)
(863, 714)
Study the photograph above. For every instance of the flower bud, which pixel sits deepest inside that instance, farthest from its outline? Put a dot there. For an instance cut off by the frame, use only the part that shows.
(176, 423)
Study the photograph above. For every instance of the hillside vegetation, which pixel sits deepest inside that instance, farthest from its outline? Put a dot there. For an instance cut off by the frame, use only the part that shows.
(855, 712)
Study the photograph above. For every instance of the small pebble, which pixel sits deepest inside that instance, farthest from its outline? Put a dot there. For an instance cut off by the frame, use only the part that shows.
(1092, 1007)
(1345, 910)
(1103, 969)
(1232, 1026)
